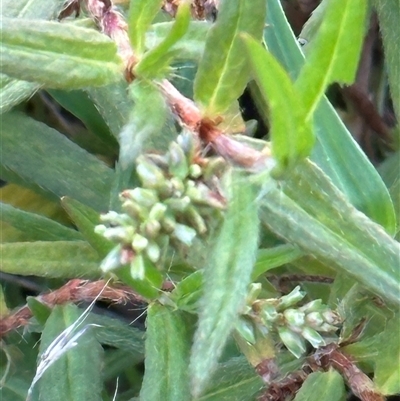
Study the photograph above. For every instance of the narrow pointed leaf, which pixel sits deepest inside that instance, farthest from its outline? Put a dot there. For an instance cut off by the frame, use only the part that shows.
(156, 60)
(167, 355)
(311, 213)
(335, 150)
(57, 55)
(227, 272)
(35, 226)
(85, 218)
(14, 91)
(327, 386)
(141, 14)
(223, 62)
(387, 371)
(270, 258)
(142, 131)
(389, 16)
(77, 375)
(292, 138)
(333, 55)
(234, 380)
(52, 259)
(50, 160)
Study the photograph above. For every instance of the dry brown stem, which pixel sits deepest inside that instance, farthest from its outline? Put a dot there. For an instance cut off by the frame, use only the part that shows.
(76, 290)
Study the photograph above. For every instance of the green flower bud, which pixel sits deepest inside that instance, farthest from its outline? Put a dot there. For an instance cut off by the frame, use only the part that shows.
(294, 319)
(254, 292)
(313, 337)
(157, 212)
(245, 329)
(313, 306)
(178, 205)
(268, 314)
(112, 260)
(314, 320)
(139, 243)
(168, 223)
(293, 341)
(151, 228)
(119, 234)
(196, 220)
(291, 299)
(138, 268)
(184, 234)
(195, 171)
(100, 229)
(177, 186)
(150, 175)
(214, 168)
(153, 251)
(331, 317)
(144, 197)
(327, 328)
(186, 141)
(177, 166)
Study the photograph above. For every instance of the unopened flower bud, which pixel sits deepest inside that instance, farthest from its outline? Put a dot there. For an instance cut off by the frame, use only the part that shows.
(142, 196)
(139, 243)
(195, 171)
(150, 175)
(313, 337)
(294, 318)
(314, 320)
(153, 252)
(138, 268)
(293, 341)
(184, 234)
(245, 329)
(177, 166)
(291, 299)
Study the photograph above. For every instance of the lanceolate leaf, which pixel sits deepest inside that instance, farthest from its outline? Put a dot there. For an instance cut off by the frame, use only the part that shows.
(335, 150)
(292, 137)
(57, 55)
(226, 278)
(223, 62)
(234, 380)
(142, 131)
(307, 210)
(157, 59)
(52, 259)
(77, 375)
(141, 14)
(387, 371)
(327, 386)
(85, 218)
(168, 342)
(389, 16)
(35, 226)
(13, 91)
(334, 53)
(50, 160)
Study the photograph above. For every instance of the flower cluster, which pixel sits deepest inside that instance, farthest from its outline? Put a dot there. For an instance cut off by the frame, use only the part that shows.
(180, 194)
(294, 325)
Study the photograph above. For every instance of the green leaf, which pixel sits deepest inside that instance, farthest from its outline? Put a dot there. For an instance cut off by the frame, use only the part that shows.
(35, 226)
(3, 305)
(168, 342)
(227, 271)
(333, 55)
(52, 259)
(141, 14)
(327, 386)
(32, 9)
(85, 218)
(57, 55)
(387, 370)
(80, 105)
(77, 375)
(335, 151)
(234, 380)
(113, 103)
(190, 47)
(188, 292)
(292, 137)
(117, 334)
(50, 160)
(223, 62)
(270, 258)
(310, 212)
(142, 131)
(39, 310)
(389, 17)
(157, 59)
(15, 388)
(14, 91)
(149, 287)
